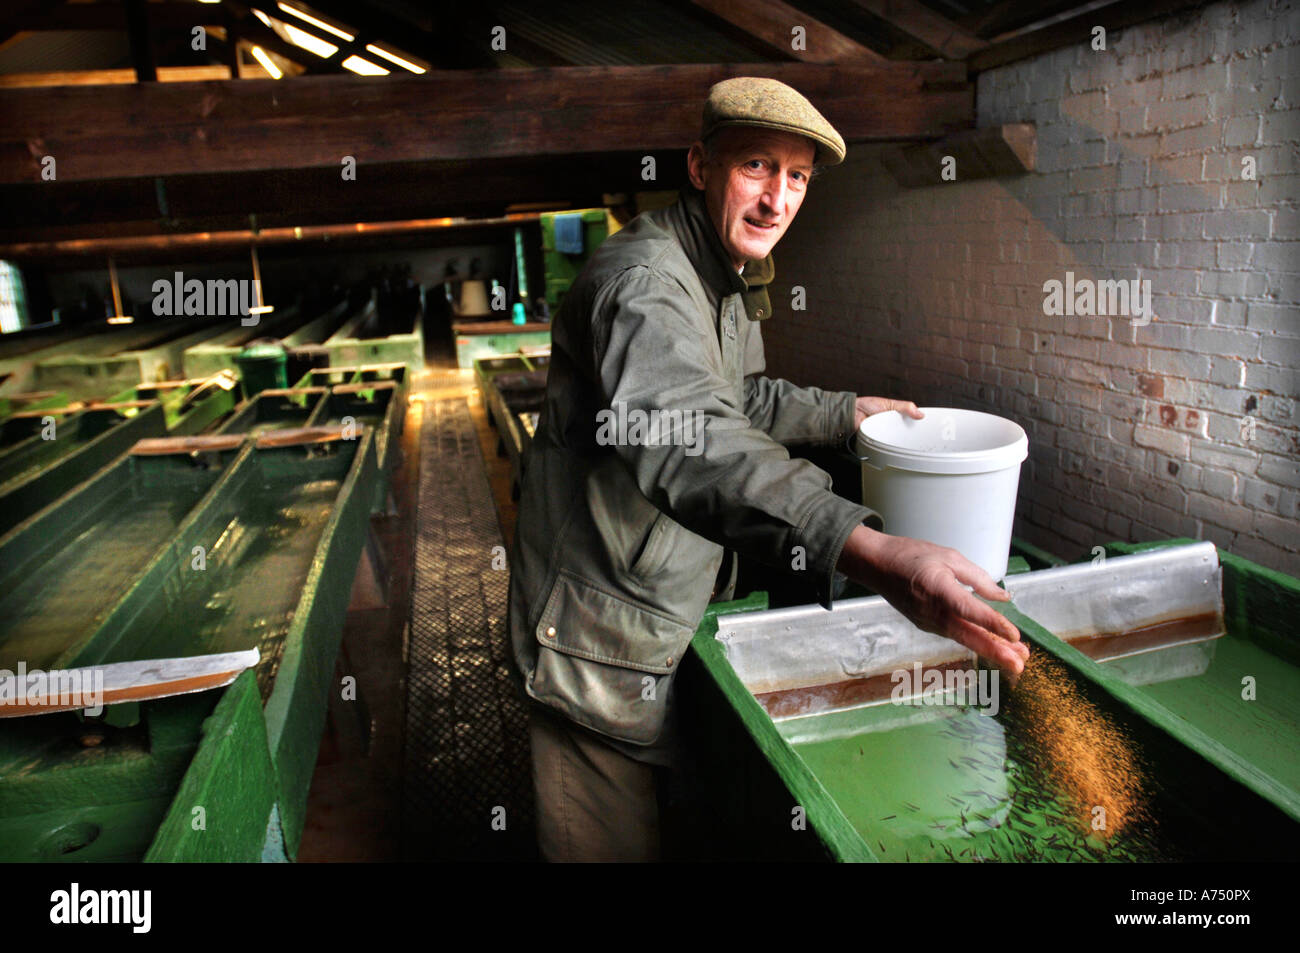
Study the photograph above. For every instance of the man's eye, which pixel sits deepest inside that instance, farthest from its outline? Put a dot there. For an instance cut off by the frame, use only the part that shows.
(754, 164)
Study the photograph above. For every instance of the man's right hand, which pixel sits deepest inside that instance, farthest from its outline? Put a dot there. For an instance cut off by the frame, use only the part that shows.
(925, 583)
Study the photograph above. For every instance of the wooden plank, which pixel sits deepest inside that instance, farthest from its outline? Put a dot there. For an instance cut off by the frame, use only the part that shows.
(299, 436)
(921, 23)
(160, 446)
(462, 96)
(292, 391)
(771, 23)
(505, 326)
(362, 386)
(312, 122)
(37, 414)
(119, 404)
(164, 385)
(376, 368)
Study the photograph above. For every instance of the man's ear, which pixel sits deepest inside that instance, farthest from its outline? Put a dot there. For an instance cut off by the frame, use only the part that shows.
(695, 159)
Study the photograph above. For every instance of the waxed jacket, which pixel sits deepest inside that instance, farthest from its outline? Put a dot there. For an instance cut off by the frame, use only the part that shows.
(619, 540)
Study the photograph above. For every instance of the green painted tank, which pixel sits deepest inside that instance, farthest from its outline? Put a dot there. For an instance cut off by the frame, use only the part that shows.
(185, 546)
(45, 453)
(37, 470)
(1164, 691)
(513, 388)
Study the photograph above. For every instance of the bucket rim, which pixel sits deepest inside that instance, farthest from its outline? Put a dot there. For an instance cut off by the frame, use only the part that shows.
(1002, 457)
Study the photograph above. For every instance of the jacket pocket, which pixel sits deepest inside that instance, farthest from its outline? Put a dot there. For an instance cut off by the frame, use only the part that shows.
(605, 661)
(654, 554)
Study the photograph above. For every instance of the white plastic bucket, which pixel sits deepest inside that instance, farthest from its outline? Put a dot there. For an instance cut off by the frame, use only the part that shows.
(950, 478)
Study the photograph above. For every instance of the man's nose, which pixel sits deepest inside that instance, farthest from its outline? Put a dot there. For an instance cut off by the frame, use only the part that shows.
(775, 194)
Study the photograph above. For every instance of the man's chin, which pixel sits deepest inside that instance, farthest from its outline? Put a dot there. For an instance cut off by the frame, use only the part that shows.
(755, 250)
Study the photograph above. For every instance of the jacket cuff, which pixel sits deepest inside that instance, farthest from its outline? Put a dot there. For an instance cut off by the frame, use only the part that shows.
(824, 534)
(840, 417)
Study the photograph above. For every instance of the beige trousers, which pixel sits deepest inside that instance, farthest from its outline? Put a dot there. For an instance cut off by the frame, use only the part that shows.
(594, 803)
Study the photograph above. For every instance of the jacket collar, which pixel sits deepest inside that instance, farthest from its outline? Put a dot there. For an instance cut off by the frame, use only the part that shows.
(703, 247)
(759, 274)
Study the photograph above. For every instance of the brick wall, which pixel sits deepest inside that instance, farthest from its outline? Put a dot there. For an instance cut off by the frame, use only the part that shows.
(1185, 426)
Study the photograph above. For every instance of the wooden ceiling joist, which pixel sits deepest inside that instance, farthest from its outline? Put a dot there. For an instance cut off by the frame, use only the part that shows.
(772, 23)
(921, 23)
(159, 129)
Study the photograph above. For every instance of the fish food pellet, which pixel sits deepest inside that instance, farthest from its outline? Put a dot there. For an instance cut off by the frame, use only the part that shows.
(1086, 757)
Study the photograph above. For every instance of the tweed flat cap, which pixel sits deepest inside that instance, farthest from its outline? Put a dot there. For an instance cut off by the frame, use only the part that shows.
(770, 104)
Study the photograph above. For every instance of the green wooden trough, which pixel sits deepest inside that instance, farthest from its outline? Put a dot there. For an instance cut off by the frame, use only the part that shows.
(189, 545)
(513, 388)
(186, 546)
(476, 340)
(373, 395)
(46, 452)
(1176, 696)
(31, 400)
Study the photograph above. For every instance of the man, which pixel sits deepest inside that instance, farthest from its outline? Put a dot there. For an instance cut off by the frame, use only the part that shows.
(622, 528)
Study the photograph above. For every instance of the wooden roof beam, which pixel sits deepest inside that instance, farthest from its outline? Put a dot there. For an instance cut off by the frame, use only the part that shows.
(771, 23)
(312, 122)
(921, 23)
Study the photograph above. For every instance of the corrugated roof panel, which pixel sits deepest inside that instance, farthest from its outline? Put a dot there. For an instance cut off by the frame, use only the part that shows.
(59, 50)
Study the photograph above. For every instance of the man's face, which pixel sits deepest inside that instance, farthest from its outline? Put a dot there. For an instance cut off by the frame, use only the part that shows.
(753, 184)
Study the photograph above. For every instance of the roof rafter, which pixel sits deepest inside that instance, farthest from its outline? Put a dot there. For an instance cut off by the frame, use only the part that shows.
(921, 23)
(772, 24)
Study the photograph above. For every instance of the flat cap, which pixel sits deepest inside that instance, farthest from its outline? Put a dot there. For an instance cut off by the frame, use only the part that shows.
(770, 104)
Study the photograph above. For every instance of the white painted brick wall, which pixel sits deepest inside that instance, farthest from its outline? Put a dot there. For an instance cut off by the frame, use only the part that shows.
(1187, 426)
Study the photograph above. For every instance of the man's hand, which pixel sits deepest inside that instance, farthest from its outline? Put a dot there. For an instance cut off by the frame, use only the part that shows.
(924, 582)
(864, 407)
